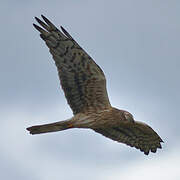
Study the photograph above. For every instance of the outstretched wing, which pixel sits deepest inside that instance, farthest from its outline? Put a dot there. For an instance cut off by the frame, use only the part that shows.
(135, 134)
(82, 80)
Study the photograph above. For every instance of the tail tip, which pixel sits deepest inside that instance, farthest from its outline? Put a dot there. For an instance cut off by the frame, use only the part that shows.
(33, 130)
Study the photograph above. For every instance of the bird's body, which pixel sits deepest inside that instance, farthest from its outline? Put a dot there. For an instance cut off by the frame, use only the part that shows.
(84, 85)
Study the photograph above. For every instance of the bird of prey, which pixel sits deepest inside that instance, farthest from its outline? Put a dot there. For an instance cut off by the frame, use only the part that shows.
(84, 86)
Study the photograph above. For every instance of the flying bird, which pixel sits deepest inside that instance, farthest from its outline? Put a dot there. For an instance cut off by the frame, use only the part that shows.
(84, 86)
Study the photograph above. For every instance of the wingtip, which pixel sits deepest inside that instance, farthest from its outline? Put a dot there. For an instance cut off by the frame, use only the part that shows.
(35, 25)
(43, 16)
(146, 153)
(31, 130)
(63, 29)
(46, 19)
(66, 33)
(37, 19)
(28, 129)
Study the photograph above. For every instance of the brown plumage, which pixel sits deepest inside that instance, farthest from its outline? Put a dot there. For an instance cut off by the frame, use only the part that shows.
(84, 85)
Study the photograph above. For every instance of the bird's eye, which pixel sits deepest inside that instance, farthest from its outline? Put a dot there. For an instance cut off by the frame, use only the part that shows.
(128, 116)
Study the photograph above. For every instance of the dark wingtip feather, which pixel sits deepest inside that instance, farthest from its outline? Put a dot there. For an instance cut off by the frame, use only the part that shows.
(154, 150)
(41, 30)
(52, 26)
(33, 130)
(46, 20)
(45, 26)
(146, 153)
(159, 146)
(63, 29)
(43, 16)
(66, 33)
(38, 20)
(37, 27)
(29, 129)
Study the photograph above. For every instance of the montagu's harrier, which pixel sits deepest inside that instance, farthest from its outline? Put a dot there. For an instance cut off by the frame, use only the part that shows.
(84, 86)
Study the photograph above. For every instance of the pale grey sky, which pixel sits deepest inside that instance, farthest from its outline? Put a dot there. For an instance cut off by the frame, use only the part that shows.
(136, 43)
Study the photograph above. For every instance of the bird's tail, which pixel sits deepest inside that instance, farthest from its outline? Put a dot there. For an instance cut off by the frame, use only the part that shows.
(57, 126)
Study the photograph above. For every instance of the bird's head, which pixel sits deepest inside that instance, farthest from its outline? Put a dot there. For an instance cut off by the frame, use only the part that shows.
(128, 116)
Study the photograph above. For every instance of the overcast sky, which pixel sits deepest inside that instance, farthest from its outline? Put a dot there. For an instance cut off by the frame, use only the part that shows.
(136, 43)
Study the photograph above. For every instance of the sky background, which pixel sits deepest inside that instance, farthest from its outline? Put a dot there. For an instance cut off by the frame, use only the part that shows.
(136, 43)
